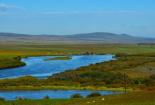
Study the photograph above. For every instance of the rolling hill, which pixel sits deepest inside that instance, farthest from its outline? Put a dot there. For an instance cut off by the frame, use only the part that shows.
(97, 37)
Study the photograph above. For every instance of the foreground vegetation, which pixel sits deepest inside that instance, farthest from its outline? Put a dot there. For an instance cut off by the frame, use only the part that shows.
(133, 69)
(9, 51)
(137, 98)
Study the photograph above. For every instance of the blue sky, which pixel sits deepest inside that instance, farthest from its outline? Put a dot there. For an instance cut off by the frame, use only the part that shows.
(135, 17)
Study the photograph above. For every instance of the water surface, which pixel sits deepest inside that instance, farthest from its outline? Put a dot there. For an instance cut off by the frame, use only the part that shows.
(41, 68)
(12, 95)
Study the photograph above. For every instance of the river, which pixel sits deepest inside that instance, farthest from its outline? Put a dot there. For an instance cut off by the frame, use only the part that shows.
(41, 68)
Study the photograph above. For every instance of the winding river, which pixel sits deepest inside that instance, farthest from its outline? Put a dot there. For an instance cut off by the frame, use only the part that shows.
(40, 67)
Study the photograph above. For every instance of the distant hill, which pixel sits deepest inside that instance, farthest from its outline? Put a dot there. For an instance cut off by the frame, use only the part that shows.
(97, 37)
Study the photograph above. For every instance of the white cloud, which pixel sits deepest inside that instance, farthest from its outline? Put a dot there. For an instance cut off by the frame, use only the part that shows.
(91, 12)
(5, 7)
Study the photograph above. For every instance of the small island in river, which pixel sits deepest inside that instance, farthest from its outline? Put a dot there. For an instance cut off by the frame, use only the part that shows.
(59, 58)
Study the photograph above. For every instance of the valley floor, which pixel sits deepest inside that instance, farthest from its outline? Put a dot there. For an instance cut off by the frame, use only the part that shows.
(137, 98)
(9, 52)
(139, 68)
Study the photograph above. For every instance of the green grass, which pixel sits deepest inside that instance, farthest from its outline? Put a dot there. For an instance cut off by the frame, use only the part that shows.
(111, 73)
(139, 66)
(66, 49)
(10, 62)
(64, 88)
(137, 98)
(35, 102)
(9, 51)
(59, 58)
(100, 76)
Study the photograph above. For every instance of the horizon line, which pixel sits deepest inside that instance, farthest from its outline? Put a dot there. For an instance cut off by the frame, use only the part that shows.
(28, 34)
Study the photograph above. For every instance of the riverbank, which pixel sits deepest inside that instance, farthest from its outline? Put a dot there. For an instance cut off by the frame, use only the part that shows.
(9, 51)
(111, 74)
(133, 98)
(136, 62)
(10, 62)
(102, 88)
(59, 58)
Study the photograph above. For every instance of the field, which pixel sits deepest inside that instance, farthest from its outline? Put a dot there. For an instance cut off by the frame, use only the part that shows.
(9, 51)
(137, 98)
(61, 49)
(134, 62)
(136, 70)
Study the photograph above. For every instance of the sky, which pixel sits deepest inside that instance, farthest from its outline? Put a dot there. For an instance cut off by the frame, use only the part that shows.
(64, 17)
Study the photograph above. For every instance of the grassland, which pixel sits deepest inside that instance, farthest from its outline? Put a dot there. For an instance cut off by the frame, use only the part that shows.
(65, 49)
(9, 51)
(136, 61)
(95, 77)
(10, 62)
(137, 98)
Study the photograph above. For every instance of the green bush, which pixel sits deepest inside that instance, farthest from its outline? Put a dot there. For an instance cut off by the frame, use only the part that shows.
(2, 99)
(19, 98)
(47, 97)
(152, 76)
(76, 96)
(96, 94)
(150, 81)
(138, 81)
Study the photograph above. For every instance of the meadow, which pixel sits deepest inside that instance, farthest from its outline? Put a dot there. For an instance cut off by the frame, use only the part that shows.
(68, 49)
(9, 51)
(134, 62)
(136, 71)
(137, 98)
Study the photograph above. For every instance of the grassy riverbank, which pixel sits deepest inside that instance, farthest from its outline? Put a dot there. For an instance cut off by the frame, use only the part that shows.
(59, 58)
(10, 62)
(135, 65)
(136, 70)
(137, 98)
(11, 88)
(9, 51)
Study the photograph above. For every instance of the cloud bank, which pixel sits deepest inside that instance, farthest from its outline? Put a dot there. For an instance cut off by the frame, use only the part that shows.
(6, 7)
(93, 12)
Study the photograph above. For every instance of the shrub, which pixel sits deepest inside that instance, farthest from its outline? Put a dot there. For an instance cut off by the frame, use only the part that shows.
(17, 58)
(2, 99)
(96, 94)
(138, 81)
(76, 96)
(152, 76)
(47, 97)
(19, 98)
(150, 81)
